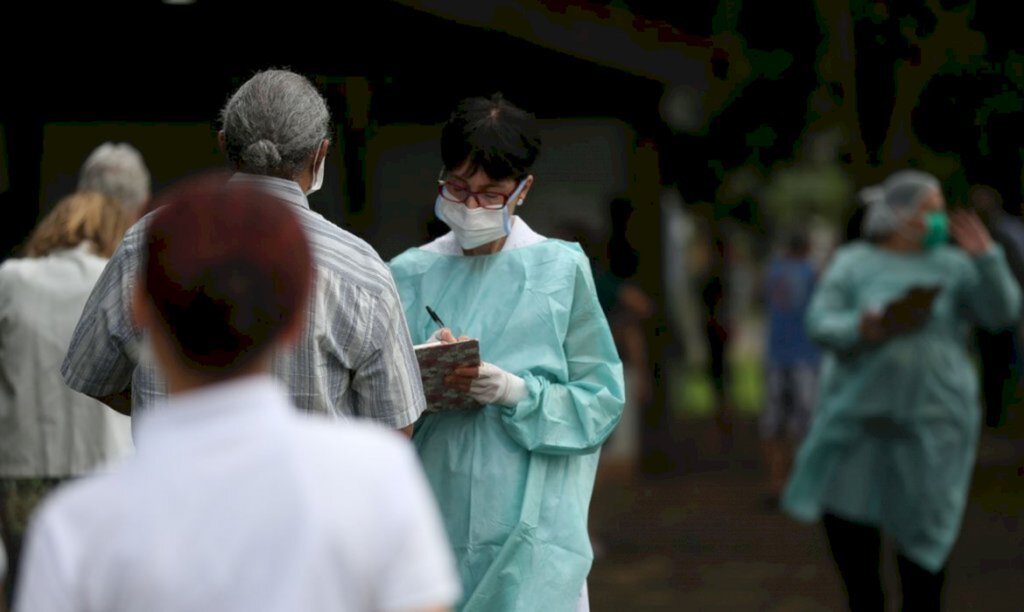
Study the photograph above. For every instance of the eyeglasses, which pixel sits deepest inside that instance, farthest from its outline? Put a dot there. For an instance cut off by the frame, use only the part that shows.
(458, 193)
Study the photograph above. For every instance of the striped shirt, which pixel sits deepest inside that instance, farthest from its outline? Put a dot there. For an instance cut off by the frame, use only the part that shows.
(355, 357)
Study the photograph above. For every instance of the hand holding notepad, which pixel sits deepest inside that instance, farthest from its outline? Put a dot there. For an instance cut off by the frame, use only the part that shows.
(911, 311)
(907, 313)
(437, 360)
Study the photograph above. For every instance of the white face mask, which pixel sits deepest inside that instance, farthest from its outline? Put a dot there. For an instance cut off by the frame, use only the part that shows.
(478, 226)
(318, 178)
(472, 228)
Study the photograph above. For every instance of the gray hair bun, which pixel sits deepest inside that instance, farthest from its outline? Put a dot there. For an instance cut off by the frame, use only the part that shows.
(261, 154)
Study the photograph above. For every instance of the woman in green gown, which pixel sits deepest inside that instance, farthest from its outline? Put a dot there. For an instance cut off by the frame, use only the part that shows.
(893, 443)
(514, 477)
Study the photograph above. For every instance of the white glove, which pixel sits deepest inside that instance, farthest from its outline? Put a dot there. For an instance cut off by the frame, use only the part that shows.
(496, 386)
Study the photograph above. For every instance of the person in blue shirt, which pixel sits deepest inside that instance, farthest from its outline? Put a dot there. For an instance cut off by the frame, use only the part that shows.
(895, 432)
(791, 360)
(513, 478)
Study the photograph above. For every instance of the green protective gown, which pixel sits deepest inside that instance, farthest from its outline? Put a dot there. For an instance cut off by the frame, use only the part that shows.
(514, 484)
(895, 435)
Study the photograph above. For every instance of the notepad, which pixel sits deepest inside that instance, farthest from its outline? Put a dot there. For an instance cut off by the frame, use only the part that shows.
(911, 310)
(437, 360)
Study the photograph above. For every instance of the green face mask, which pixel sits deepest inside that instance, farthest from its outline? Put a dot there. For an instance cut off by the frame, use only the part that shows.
(936, 230)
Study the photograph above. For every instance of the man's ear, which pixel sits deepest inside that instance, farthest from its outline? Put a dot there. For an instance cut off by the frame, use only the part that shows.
(222, 142)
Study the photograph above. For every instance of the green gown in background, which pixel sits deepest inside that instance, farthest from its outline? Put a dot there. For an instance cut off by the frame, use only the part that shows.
(895, 434)
(514, 484)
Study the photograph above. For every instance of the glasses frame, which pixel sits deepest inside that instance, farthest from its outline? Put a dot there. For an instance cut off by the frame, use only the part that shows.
(442, 182)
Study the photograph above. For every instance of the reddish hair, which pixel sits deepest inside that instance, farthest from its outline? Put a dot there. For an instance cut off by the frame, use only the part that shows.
(227, 269)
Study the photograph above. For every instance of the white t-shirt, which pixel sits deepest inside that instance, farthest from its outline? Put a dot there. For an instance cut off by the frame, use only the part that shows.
(235, 501)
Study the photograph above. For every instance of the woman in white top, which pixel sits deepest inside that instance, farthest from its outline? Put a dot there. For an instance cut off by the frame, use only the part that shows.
(47, 431)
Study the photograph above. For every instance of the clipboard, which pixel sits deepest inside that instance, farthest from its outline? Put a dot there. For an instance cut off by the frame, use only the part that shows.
(912, 309)
(437, 360)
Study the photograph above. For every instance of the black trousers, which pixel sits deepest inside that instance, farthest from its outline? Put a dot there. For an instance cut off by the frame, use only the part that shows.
(857, 551)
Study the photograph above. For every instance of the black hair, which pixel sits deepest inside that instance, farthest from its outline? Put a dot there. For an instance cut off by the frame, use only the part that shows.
(493, 135)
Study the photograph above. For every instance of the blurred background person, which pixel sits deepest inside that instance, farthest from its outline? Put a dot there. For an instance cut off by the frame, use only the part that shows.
(48, 432)
(514, 479)
(894, 440)
(118, 171)
(790, 360)
(628, 308)
(714, 293)
(999, 352)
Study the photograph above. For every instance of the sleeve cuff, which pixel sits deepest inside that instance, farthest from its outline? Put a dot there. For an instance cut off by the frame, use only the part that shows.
(87, 387)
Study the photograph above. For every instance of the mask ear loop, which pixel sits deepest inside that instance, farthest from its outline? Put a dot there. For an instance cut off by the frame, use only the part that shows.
(505, 217)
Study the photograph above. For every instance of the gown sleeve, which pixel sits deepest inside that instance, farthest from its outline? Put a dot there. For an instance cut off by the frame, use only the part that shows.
(833, 317)
(990, 292)
(574, 417)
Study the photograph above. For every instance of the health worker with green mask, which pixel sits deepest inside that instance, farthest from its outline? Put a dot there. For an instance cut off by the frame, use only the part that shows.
(895, 434)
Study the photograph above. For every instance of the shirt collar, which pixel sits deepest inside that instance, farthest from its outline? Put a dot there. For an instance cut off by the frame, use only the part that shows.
(522, 235)
(248, 400)
(283, 188)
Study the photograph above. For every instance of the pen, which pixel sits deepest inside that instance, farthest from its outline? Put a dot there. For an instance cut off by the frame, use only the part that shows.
(437, 319)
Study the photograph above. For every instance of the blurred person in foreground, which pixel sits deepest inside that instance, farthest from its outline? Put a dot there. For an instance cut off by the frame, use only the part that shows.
(118, 171)
(49, 433)
(894, 438)
(354, 357)
(234, 500)
(514, 478)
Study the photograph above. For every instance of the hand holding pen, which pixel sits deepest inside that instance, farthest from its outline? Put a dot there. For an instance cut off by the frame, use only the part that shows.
(443, 334)
(462, 378)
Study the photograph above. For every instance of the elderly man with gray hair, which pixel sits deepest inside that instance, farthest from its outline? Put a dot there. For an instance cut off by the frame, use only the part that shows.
(355, 357)
(117, 170)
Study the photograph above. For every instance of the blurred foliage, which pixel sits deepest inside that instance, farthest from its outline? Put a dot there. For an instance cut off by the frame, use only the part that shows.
(696, 395)
(798, 192)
